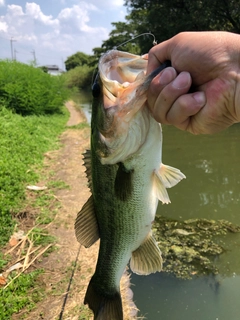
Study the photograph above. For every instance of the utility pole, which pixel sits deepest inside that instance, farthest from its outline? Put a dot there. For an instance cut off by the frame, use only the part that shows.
(34, 56)
(15, 54)
(11, 43)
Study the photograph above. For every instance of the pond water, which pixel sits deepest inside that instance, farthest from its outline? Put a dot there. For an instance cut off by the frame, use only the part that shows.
(211, 190)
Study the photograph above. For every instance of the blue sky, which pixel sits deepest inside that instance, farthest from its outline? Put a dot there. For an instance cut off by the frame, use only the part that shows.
(55, 29)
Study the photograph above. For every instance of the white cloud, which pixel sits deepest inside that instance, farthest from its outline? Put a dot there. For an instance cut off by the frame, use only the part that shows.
(2, 3)
(14, 10)
(108, 3)
(33, 11)
(72, 26)
(3, 26)
(76, 19)
(32, 22)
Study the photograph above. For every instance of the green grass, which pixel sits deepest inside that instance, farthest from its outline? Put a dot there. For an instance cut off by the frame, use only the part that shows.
(80, 126)
(32, 117)
(23, 142)
(20, 294)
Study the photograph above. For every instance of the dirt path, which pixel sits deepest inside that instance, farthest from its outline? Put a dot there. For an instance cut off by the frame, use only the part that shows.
(68, 166)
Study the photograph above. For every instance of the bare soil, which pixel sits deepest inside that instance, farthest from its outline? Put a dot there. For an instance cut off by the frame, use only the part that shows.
(68, 166)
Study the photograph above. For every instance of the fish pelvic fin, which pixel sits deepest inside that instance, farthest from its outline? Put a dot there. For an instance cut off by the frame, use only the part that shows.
(104, 306)
(147, 258)
(165, 177)
(86, 226)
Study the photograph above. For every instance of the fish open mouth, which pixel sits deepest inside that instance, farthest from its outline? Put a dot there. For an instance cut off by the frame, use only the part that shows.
(117, 71)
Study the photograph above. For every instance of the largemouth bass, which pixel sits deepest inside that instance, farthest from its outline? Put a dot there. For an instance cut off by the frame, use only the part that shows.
(126, 177)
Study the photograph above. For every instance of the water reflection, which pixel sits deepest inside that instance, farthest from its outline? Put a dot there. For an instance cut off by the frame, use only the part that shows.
(83, 100)
(162, 296)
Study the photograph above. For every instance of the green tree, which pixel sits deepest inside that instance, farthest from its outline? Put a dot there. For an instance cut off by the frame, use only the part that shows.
(77, 59)
(122, 32)
(44, 69)
(165, 18)
(79, 77)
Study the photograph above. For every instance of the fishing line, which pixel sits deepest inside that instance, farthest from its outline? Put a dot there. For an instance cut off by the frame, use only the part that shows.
(122, 44)
(69, 285)
(140, 35)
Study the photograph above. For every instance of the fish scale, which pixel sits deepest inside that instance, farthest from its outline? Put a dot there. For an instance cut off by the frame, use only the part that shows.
(126, 177)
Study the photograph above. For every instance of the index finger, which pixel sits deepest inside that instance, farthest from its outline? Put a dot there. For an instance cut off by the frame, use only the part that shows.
(157, 55)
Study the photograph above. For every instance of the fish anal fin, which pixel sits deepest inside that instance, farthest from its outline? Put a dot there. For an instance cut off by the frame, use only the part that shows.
(147, 258)
(170, 176)
(123, 182)
(104, 306)
(86, 226)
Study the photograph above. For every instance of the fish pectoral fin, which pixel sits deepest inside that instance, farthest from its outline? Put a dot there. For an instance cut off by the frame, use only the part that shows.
(170, 176)
(147, 258)
(159, 189)
(105, 306)
(86, 226)
(165, 177)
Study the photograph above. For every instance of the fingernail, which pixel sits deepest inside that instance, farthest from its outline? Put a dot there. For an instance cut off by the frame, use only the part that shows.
(200, 98)
(182, 80)
(145, 56)
(167, 76)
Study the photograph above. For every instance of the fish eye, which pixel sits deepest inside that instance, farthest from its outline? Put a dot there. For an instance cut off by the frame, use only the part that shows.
(96, 90)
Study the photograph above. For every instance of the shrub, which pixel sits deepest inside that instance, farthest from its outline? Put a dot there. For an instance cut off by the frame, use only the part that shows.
(27, 90)
(79, 77)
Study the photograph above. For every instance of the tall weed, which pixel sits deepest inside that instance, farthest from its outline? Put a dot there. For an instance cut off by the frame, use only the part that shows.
(27, 90)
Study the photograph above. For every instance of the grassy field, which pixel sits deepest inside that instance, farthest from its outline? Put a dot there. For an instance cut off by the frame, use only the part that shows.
(23, 141)
(32, 116)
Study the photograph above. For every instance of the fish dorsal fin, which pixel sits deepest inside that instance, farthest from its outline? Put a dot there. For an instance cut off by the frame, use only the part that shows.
(87, 164)
(165, 177)
(147, 258)
(86, 226)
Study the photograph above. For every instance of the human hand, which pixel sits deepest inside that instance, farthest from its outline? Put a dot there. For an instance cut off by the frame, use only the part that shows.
(208, 64)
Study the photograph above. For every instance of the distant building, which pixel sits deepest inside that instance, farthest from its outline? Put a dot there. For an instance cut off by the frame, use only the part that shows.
(54, 70)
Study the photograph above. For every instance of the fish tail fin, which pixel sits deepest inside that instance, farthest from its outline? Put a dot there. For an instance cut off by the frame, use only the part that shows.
(104, 306)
